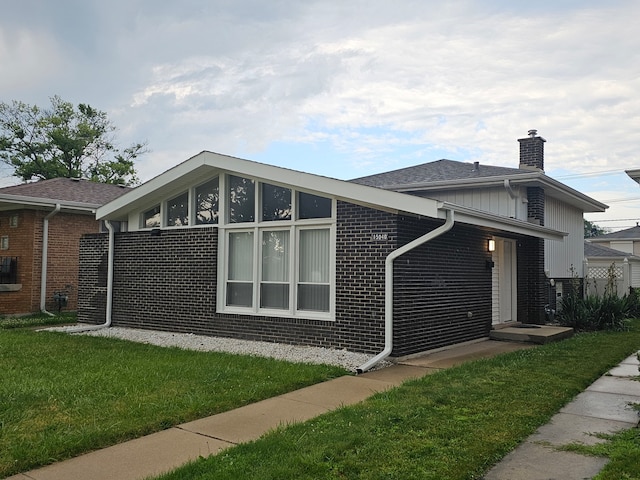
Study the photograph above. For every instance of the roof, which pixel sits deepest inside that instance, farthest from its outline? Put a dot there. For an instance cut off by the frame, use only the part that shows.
(438, 171)
(632, 233)
(207, 164)
(450, 174)
(593, 250)
(70, 193)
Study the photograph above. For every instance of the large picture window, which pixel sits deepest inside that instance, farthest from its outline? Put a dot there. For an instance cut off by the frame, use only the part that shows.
(207, 202)
(240, 281)
(274, 284)
(178, 211)
(314, 270)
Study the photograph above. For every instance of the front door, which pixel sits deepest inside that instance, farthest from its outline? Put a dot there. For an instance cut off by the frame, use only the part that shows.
(504, 281)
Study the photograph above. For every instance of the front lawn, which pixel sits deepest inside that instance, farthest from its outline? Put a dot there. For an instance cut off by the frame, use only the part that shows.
(62, 395)
(454, 424)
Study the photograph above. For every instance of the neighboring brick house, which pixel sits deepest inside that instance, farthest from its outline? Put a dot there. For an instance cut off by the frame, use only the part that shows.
(229, 247)
(40, 228)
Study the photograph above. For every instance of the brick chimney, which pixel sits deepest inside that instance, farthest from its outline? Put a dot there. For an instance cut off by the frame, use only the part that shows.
(532, 152)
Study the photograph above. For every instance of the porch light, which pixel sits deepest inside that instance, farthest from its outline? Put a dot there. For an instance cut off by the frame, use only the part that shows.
(491, 245)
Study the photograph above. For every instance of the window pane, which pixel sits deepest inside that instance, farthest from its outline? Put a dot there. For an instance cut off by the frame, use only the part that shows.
(276, 203)
(178, 210)
(241, 256)
(240, 294)
(207, 201)
(275, 256)
(241, 199)
(274, 295)
(313, 274)
(151, 218)
(312, 206)
(314, 256)
(313, 297)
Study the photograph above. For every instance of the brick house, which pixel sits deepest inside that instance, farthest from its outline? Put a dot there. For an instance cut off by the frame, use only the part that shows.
(40, 228)
(228, 247)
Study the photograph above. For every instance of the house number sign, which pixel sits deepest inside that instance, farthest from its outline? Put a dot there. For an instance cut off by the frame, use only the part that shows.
(379, 237)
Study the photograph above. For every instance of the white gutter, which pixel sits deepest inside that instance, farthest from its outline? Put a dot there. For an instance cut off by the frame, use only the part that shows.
(45, 255)
(107, 322)
(388, 288)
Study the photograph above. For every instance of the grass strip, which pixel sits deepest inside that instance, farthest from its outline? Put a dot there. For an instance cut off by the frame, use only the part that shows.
(454, 424)
(62, 395)
(37, 320)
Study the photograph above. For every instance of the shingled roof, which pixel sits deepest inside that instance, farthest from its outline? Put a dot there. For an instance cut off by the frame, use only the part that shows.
(438, 171)
(595, 250)
(632, 233)
(65, 191)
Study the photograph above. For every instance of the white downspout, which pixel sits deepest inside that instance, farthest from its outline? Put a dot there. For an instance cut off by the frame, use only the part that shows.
(45, 257)
(110, 254)
(388, 289)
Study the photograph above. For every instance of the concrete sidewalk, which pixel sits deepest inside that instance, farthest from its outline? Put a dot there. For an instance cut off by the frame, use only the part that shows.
(163, 451)
(604, 407)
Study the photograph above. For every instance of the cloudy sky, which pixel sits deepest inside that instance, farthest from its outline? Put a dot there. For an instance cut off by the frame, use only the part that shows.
(346, 88)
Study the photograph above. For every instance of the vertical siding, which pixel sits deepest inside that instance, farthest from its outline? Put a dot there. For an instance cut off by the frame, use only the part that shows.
(494, 200)
(563, 257)
(495, 290)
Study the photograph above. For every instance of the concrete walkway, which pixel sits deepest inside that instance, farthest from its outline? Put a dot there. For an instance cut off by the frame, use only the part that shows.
(163, 451)
(602, 408)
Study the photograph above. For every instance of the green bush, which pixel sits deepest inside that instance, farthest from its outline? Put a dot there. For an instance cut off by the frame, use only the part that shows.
(593, 312)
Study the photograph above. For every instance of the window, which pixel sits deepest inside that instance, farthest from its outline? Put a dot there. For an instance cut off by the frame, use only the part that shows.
(207, 200)
(276, 203)
(178, 211)
(314, 265)
(274, 285)
(241, 200)
(4, 243)
(13, 221)
(151, 218)
(240, 281)
(313, 206)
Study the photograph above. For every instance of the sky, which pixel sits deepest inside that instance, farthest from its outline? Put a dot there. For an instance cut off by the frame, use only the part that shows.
(346, 88)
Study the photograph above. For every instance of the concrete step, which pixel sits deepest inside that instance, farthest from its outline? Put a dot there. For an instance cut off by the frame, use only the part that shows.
(532, 333)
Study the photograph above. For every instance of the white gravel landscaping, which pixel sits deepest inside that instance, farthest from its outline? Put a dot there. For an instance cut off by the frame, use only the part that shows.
(203, 343)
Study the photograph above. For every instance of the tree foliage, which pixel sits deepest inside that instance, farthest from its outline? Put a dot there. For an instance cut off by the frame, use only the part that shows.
(64, 141)
(592, 230)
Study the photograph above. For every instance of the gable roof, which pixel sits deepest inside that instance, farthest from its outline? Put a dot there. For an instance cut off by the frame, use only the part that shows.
(207, 164)
(632, 233)
(438, 171)
(450, 174)
(70, 193)
(594, 250)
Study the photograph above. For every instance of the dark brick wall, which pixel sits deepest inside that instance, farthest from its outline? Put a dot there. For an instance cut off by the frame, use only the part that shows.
(533, 294)
(168, 282)
(442, 289)
(535, 205)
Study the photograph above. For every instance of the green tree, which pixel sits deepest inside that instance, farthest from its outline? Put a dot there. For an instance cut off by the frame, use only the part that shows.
(592, 230)
(64, 141)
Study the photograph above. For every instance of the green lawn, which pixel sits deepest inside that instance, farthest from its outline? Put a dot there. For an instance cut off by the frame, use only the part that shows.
(454, 424)
(62, 395)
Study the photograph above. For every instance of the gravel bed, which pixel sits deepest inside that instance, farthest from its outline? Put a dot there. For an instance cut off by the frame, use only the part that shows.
(203, 343)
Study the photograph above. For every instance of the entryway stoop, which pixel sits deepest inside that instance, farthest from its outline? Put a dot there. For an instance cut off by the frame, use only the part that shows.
(539, 334)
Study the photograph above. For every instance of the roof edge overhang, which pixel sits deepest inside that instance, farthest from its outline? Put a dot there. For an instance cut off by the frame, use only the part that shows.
(12, 202)
(511, 225)
(197, 167)
(552, 187)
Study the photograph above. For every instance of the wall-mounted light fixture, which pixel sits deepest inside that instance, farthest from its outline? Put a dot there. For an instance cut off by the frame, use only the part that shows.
(491, 245)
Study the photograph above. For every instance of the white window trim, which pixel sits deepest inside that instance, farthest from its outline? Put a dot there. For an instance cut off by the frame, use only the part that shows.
(258, 226)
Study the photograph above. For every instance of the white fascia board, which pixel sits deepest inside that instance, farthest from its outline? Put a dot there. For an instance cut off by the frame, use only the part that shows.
(552, 188)
(484, 219)
(8, 202)
(197, 167)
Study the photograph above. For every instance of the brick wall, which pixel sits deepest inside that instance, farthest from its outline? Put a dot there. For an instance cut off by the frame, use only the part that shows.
(442, 288)
(533, 293)
(21, 241)
(168, 282)
(25, 242)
